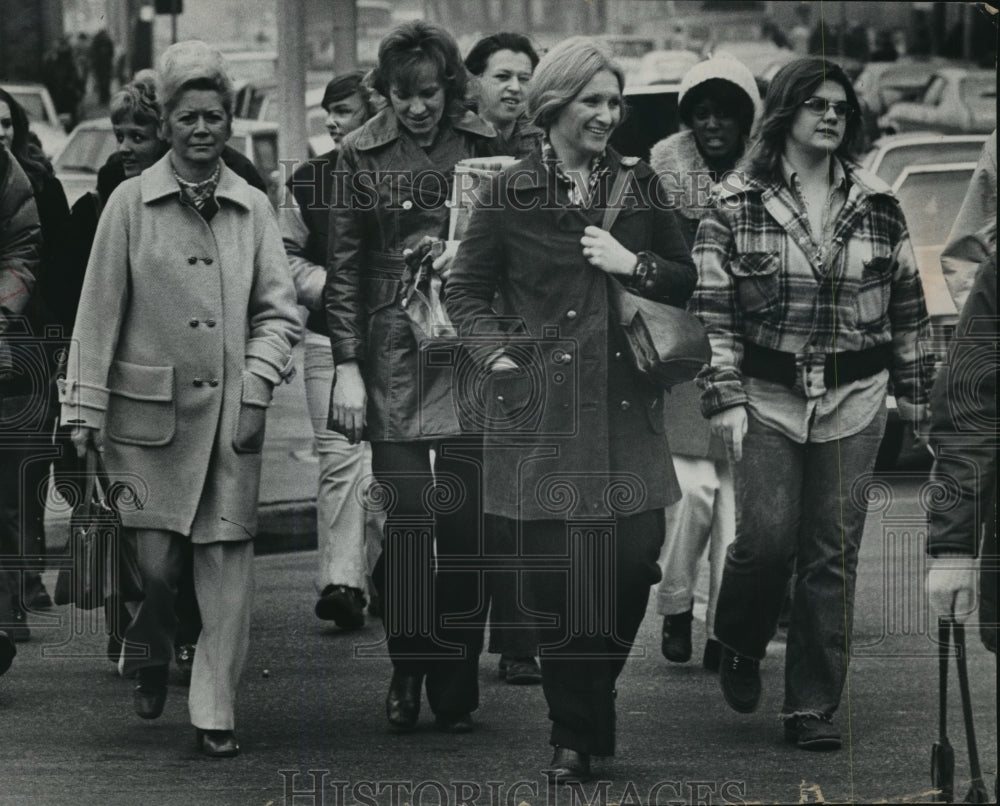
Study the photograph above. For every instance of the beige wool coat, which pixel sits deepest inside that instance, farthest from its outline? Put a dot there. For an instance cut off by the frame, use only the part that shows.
(184, 328)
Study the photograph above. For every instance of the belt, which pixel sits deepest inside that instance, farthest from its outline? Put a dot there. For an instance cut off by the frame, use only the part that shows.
(838, 368)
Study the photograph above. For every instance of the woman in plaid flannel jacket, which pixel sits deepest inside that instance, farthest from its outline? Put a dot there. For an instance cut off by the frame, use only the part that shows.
(809, 290)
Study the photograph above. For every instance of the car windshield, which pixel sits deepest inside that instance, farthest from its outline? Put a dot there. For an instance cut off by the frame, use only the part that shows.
(896, 159)
(87, 150)
(32, 103)
(930, 202)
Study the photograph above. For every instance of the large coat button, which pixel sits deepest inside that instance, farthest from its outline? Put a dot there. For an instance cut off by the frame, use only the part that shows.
(624, 405)
(198, 382)
(571, 314)
(192, 260)
(210, 322)
(193, 323)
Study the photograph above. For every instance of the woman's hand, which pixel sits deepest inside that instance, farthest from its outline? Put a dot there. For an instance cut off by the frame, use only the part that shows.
(83, 436)
(731, 426)
(603, 252)
(442, 263)
(347, 405)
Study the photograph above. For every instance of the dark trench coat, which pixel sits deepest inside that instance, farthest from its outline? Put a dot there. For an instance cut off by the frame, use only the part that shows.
(576, 432)
(389, 194)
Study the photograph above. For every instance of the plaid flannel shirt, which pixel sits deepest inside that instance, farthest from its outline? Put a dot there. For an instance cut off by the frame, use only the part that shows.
(762, 278)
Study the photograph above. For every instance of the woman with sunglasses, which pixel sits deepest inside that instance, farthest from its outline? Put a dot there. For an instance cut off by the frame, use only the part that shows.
(808, 287)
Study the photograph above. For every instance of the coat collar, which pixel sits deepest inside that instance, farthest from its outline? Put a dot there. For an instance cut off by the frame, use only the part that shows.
(531, 173)
(861, 182)
(384, 128)
(158, 182)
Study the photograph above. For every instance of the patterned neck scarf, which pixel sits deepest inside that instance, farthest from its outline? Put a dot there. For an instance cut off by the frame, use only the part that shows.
(200, 193)
(598, 171)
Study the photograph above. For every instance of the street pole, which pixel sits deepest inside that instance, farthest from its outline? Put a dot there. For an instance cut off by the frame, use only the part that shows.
(173, 22)
(293, 143)
(345, 36)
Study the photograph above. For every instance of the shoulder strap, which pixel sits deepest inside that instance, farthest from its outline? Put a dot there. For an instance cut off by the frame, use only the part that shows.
(613, 209)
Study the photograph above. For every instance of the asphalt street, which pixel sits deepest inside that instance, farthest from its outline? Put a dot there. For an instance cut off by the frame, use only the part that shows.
(312, 700)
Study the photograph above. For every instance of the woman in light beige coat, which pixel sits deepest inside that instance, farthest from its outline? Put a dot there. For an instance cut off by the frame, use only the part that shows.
(187, 321)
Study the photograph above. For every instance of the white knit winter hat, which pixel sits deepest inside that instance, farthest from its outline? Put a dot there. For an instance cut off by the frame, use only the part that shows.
(724, 67)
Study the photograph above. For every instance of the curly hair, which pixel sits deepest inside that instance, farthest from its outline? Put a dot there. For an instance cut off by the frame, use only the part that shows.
(421, 43)
(563, 72)
(136, 102)
(791, 86)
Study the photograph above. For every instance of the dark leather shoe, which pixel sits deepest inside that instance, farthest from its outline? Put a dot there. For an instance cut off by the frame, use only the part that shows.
(675, 643)
(568, 766)
(184, 657)
(151, 694)
(454, 724)
(739, 678)
(343, 605)
(812, 733)
(520, 671)
(217, 743)
(8, 649)
(402, 703)
(713, 656)
(35, 594)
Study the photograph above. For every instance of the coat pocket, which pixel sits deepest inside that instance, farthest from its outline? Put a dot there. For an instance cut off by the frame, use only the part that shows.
(757, 281)
(380, 290)
(141, 409)
(872, 300)
(254, 402)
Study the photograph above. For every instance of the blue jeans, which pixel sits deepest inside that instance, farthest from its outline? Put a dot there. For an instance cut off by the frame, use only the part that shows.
(797, 511)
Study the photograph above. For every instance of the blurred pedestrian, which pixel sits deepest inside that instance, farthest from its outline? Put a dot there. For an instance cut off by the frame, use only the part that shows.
(345, 526)
(383, 390)
(594, 449)
(718, 104)
(62, 79)
(177, 394)
(809, 290)
(102, 59)
(500, 67)
(20, 247)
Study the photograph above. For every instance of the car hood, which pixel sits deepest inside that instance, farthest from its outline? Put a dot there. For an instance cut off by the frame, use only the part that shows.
(939, 302)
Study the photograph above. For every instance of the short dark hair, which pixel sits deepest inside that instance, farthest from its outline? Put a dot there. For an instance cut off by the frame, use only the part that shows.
(341, 87)
(480, 54)
(417, 43)
(791, 86)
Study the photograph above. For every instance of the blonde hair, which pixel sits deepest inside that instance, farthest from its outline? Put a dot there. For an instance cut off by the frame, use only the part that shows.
(563, 72)
(192, 65)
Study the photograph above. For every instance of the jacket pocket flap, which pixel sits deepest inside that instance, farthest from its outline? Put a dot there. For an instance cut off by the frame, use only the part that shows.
(256, 390)
(139, 382)
(755, 264)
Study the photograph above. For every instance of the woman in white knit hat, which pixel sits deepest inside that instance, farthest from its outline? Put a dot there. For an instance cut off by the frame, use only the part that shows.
(718, 104)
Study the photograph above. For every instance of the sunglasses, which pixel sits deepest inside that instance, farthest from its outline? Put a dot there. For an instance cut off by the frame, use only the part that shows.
(819, 106)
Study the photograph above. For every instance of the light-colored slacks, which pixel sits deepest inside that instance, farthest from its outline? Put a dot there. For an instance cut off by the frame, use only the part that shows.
(349, 533)
(223, 583)
(705, 516)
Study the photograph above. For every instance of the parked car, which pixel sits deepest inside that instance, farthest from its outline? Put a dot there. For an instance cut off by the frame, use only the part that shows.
(42, 117)
(762, 57)
(665, 66)
(956, 99)
(891, 154)
(629, 51)
(881, 84)
(930, 196)
(316, 133)
(93, 141)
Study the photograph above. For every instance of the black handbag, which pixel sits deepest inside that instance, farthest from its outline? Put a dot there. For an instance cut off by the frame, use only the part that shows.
(668, 345)
(102, 562)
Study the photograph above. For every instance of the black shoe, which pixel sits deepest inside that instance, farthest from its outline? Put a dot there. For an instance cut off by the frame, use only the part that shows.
(454, 724)
(8, 649)
(217, 743)
(568, 766)
(739, 677)
(676, 639)
(343, 605)
(519, 671)
(151, 694)
(35, 594)
(713, 656)
(812, 733)
(402, 703)
(184, 657)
